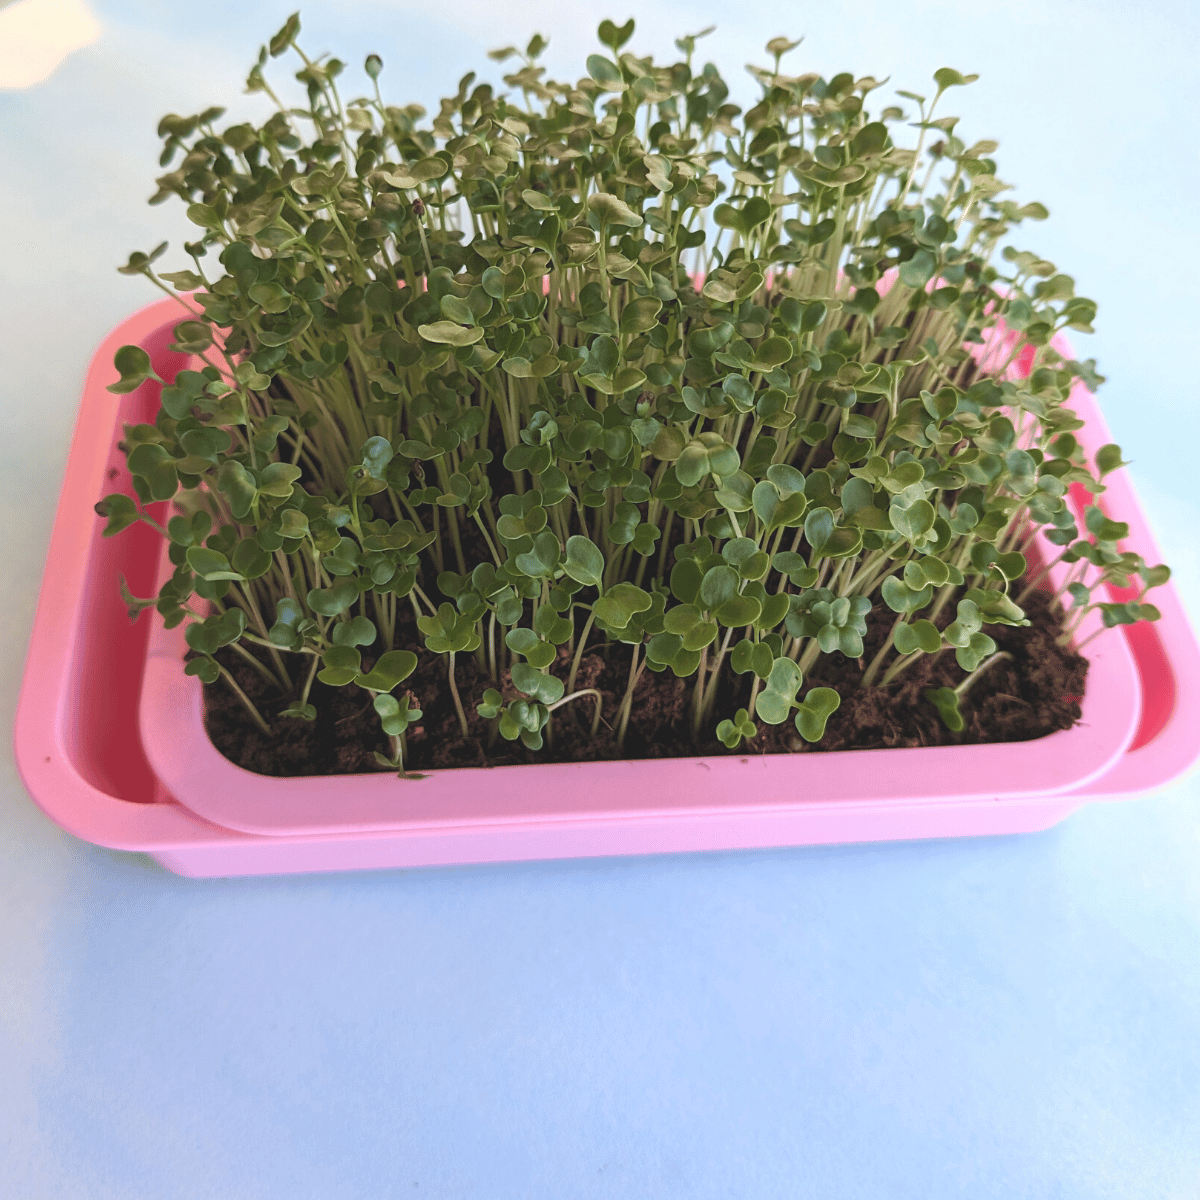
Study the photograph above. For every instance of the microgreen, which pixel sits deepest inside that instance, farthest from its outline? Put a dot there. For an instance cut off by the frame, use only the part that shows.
(947, 700)
(610, 360)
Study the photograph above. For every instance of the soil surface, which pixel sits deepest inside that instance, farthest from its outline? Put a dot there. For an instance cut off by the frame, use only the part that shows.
(1033, 694)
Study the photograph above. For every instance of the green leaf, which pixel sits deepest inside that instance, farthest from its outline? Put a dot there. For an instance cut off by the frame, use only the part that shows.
(340, 665)
(718, 587)
(139, 261)
(920, 635)
(606, 73)
(542, 558)
(686, 577)
(249, 558)
(870, 139)
(603, 357)
(610, 209)
(818, 528)
(787, 479)
(732, 732)
(626, 518)
(211, 564)
(584, 562)
(205, 668)
(692, 464)
(281, 336)
(456, 310)
(752, 656)
(375, 456)
(134, 365)
(237, 484)
(332, 602)
(179, 398)
(741, 657)
(121, 512)
(819, 705)
(774, 352)
(1012, 565)
(270, 297)
(1108, 458)
(613, 35)
(618, 605)
(645, 537)
(285, 632)
(549, 625)
(978, 647)
(521, 640)
(948, 77)
(449, 334)
(392, 669)
(755, 566)
(286, 35)
(945, 700)
(192, 337)
(765, 499)
(912, 520)
(548, 689)
(720, 290)
(918, 270)
(783, 682)
(773, 611)
(1154, 576)
(210, 635)
(411, 175)
(357, 632)
(1105, 530)
(996, 608)
(640, 315)
(277, 478)
(741, 610)
(785, 677)
(449, 631)
(900, 598)
(538, 200)
(395, 716)
(151, 462)
(682, 618)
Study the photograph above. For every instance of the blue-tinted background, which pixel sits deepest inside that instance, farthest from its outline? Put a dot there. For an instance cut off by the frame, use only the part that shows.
(1012, 1017)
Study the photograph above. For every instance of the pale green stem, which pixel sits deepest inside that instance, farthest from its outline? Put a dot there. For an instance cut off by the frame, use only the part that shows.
(961, 690)
(579, 651)
(462, 716)
(254, 713)
(575, 696)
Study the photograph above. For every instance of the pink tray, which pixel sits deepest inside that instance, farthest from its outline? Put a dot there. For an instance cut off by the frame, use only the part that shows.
(199, 777)
(90, 672)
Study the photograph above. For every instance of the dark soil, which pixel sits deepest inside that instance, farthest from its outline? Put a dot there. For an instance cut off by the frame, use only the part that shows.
(1034, 694)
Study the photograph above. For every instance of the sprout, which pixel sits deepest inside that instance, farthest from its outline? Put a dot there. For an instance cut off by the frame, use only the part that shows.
(608, 362)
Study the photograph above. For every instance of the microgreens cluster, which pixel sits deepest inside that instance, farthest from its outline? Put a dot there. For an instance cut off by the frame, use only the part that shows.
(610, 361)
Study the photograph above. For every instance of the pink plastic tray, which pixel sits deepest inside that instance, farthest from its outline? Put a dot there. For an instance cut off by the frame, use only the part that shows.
(90, 672)
(199, 777)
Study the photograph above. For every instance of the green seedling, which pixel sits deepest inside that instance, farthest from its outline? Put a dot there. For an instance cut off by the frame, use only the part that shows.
(948, 700)
(732, 732)
(612, 364)
(819, 705)
(396, 715)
